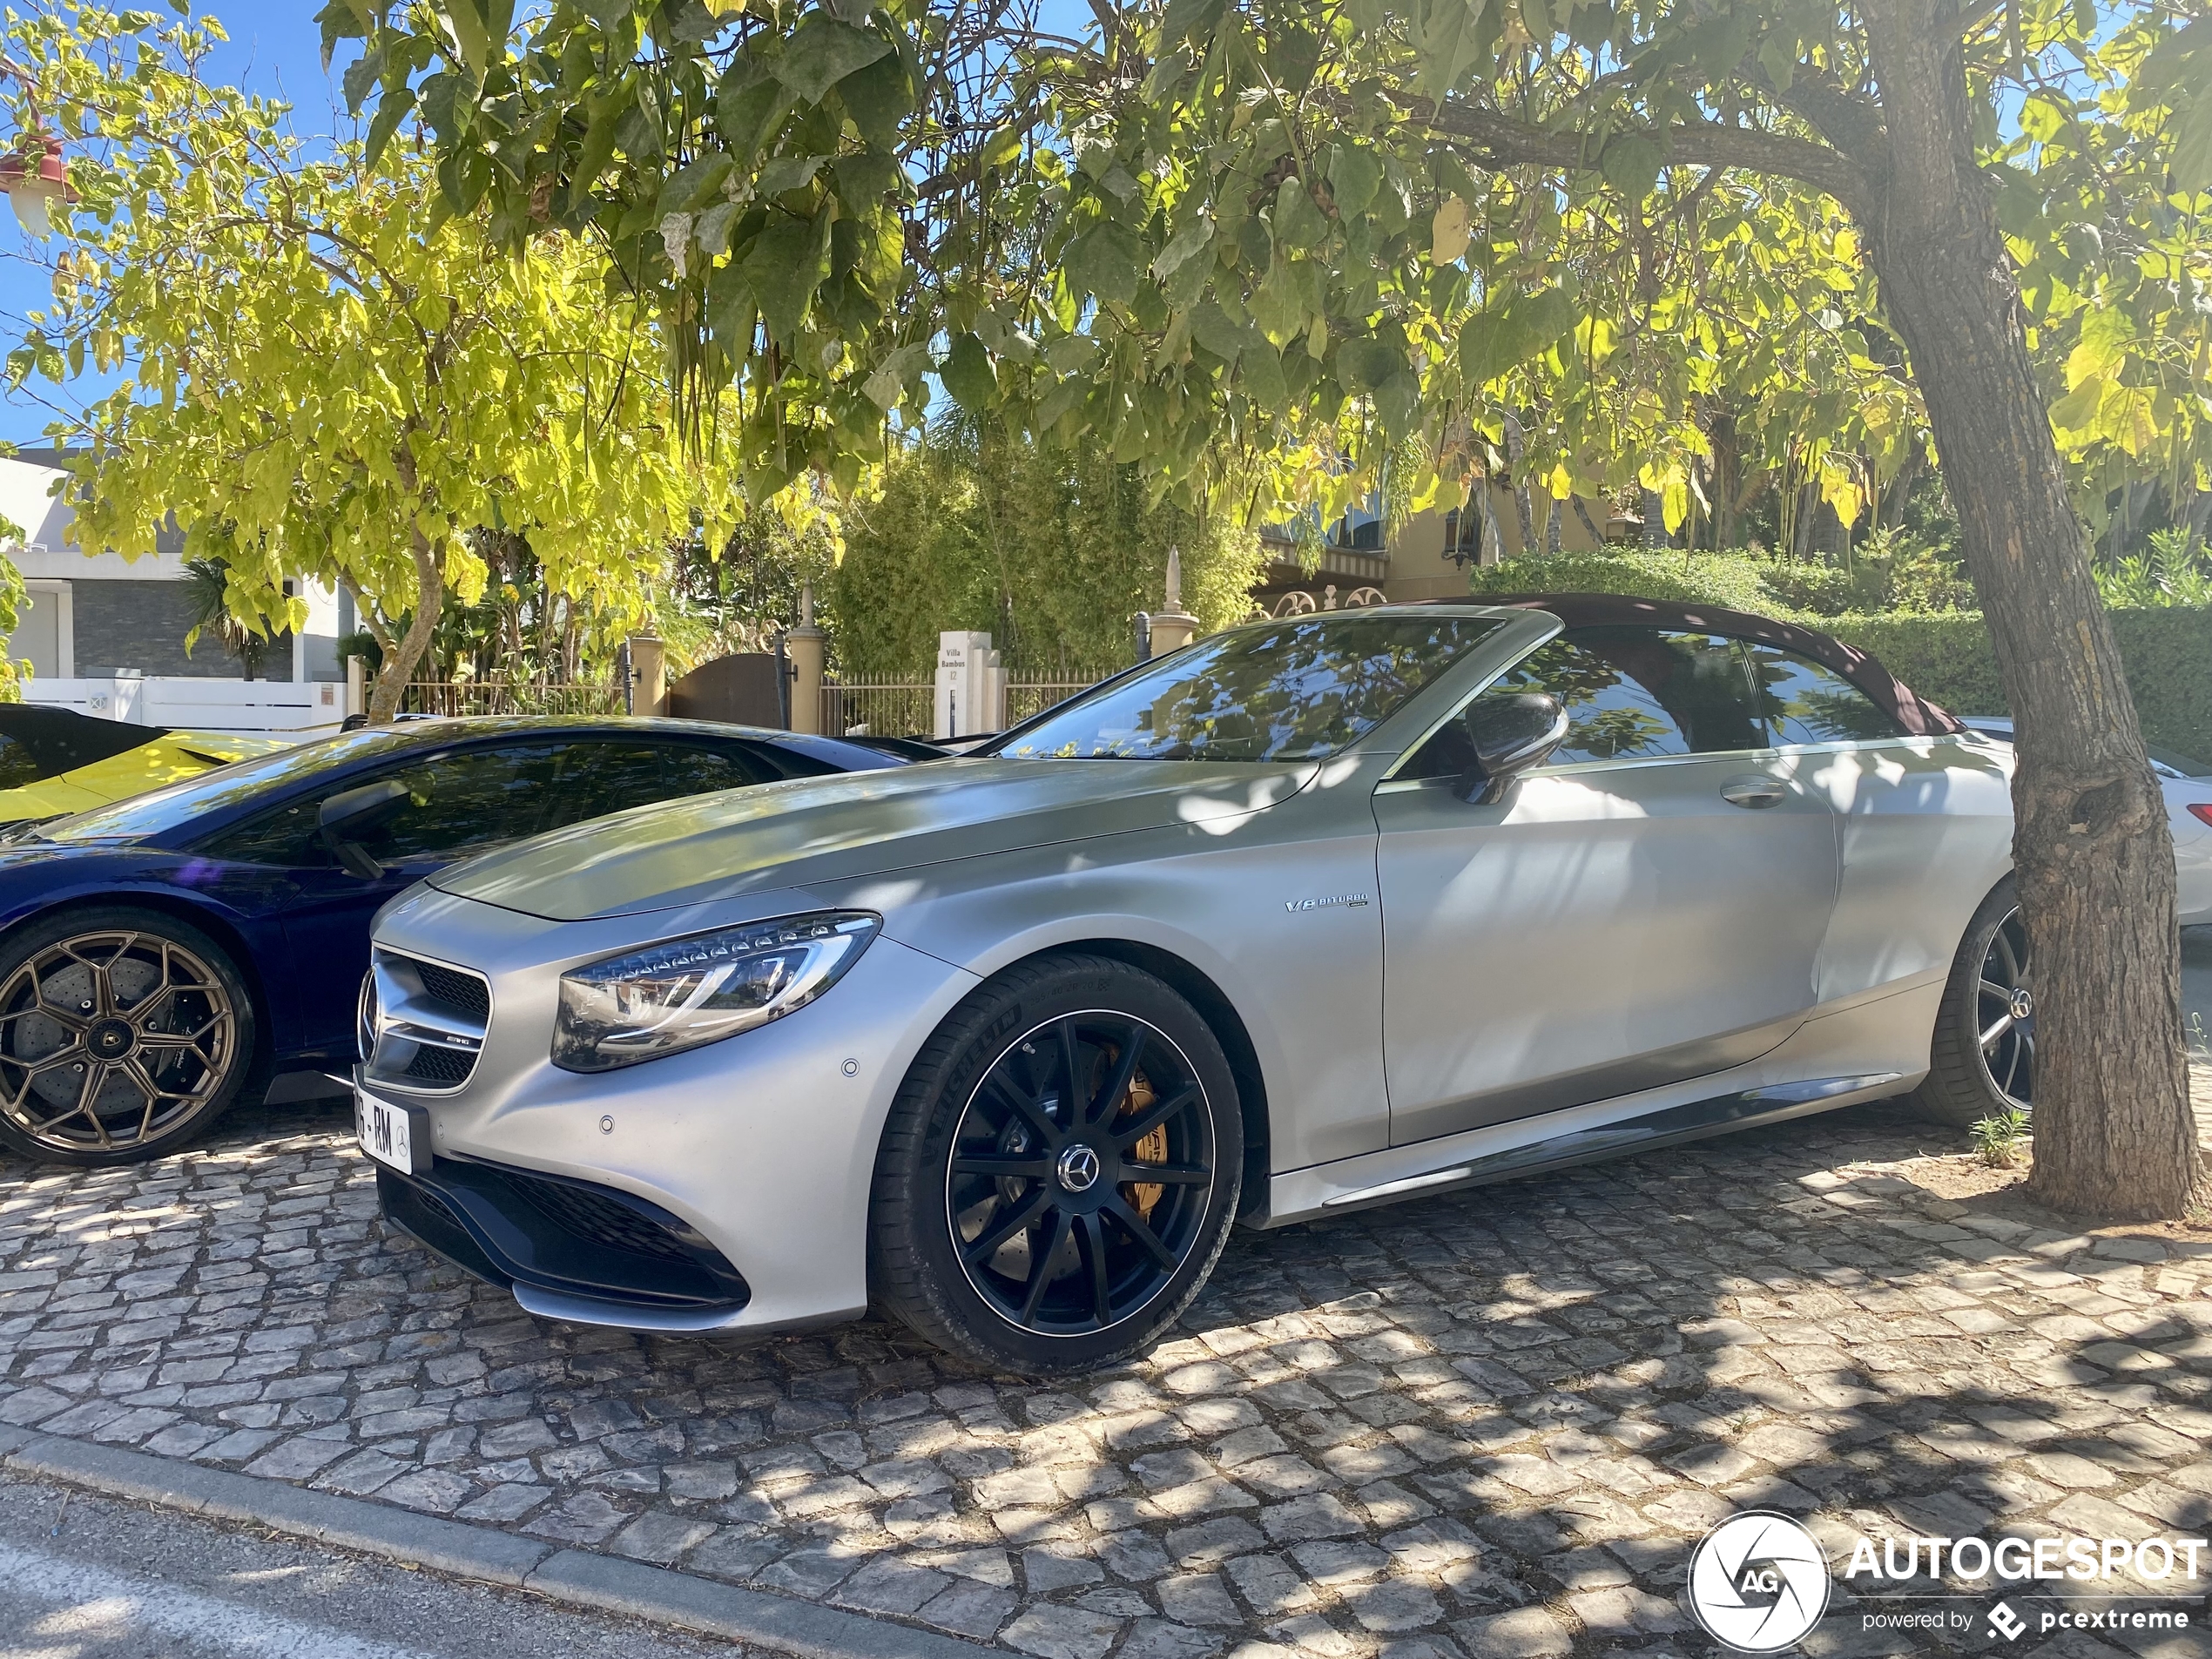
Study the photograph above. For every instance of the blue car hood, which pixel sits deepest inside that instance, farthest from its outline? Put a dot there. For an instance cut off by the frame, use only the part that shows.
(814, 830)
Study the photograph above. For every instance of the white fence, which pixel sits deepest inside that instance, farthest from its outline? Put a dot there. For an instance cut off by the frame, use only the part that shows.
(278, 708)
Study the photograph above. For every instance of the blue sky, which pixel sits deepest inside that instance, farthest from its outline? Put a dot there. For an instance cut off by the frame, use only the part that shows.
(276, 51)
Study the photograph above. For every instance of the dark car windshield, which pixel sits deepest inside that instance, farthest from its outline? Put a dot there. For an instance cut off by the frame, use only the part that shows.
(1296, 688)
(159, 811)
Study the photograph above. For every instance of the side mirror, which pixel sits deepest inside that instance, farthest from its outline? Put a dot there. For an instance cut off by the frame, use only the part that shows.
(1509, 735)
(354, 813)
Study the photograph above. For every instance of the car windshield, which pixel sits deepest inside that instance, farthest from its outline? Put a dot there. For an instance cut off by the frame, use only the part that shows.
(2181, 763)
(1296, 688)
(159, 811)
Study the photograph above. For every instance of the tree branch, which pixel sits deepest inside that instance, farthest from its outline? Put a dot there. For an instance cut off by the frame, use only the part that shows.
(1498, 140)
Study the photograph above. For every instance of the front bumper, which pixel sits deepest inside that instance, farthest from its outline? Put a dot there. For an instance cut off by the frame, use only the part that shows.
(554, 1239)
(763, 1145)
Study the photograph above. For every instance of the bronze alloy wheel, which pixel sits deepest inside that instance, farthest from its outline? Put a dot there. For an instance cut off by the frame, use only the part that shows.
(108, 1039)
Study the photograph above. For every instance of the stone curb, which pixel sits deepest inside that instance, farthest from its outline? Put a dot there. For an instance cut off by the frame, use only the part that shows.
(572, 1577)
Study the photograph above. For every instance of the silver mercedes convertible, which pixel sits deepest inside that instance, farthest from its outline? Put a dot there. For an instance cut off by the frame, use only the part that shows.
(1320, 912)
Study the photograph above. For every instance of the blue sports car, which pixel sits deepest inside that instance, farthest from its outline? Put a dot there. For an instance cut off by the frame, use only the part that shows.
(162, 955)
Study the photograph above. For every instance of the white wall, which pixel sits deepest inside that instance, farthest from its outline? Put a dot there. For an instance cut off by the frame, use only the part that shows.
(275, 707)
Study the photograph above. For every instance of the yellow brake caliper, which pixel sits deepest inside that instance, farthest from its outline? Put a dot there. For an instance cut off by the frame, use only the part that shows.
(1152, 1148)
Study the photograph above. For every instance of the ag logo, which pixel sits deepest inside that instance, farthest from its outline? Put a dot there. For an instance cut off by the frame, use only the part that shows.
(1758, 1582)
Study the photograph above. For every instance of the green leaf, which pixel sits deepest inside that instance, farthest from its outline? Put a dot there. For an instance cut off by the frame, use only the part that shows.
(748, 106)
(2188, 134)
(1631, 163)
(360, 77)
(597, 149)
(1107, 260)
(878, 97)
(1364, 365)
(1279, 306)
(1397, 399)
(822, 52)
(480, 29)
(695, 185)
(1450, 43)
(787, 173)
(341, 20)
(787, 264)
(967, 374)
(1059, 402)
(1186, 245)
(1541, 319)
(1191, 18)
(889, 383)
(394, 108)
(863, 178)
(1261, 370)
(1211, 326)
(1355, 174)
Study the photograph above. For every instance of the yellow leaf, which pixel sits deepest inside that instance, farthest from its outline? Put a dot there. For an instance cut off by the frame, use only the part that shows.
(1449, 234)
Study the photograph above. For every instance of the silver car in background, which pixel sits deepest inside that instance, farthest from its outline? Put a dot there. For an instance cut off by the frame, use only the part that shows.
(1317, 913)
(2187, 786)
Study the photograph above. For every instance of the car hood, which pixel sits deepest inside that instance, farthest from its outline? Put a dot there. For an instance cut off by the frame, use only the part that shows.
(815, 830)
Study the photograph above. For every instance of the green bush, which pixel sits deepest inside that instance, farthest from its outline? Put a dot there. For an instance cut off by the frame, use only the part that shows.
(1699, 578)
(1945, 656)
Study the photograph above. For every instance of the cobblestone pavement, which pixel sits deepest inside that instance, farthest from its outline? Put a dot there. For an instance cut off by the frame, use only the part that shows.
(1484, 1425)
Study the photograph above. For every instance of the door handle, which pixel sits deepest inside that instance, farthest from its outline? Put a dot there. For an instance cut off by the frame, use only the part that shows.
(1753, 793)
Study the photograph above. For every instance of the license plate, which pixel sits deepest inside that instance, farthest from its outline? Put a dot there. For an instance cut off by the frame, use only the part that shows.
(398, 1136)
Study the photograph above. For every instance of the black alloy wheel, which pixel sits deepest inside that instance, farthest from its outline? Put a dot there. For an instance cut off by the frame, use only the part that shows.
(120, 1034)
(1981, 1060)
(1080, 1173)
(2005, 1025)
(1060, 1169)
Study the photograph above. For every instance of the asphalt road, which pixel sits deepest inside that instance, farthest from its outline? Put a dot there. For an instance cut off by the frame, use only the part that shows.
(2196, 983)
(93, 1578)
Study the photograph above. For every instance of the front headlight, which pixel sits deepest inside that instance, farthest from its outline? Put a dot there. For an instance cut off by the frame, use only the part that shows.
(702, 987)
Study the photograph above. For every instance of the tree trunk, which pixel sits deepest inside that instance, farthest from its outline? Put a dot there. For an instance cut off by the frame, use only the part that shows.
(1551, 529)
(1583, 512)
(2094, 857)
(1728, 467)
(399, 664)
(1525, 508)
(1891, 516)
(1492, 548)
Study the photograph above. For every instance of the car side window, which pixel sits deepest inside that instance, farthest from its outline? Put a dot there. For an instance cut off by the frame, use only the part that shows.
(1629, 694)
(609, 776)
(1802, 701)
(470, 800)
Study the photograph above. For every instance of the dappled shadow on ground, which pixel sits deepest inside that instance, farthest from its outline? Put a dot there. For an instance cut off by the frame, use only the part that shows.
(1491, 1423)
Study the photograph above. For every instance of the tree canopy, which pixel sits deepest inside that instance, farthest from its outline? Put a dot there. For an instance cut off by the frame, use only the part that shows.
(331, 374)
(1597, 241)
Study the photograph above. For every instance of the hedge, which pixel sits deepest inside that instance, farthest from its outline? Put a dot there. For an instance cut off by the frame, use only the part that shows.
(1944, 656)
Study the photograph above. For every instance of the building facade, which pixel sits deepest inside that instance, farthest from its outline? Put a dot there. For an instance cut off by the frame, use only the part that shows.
(106, 634)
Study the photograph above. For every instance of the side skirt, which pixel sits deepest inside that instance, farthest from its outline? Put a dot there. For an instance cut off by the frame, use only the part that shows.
(1668, 1126)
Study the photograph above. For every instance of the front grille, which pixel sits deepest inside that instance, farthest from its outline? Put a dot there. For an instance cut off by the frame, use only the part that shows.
(423, 1023)
(444, 1067)
(464, 993)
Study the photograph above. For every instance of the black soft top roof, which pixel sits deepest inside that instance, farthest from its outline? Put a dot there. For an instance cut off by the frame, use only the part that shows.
(58, 740)
(1912, 711)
